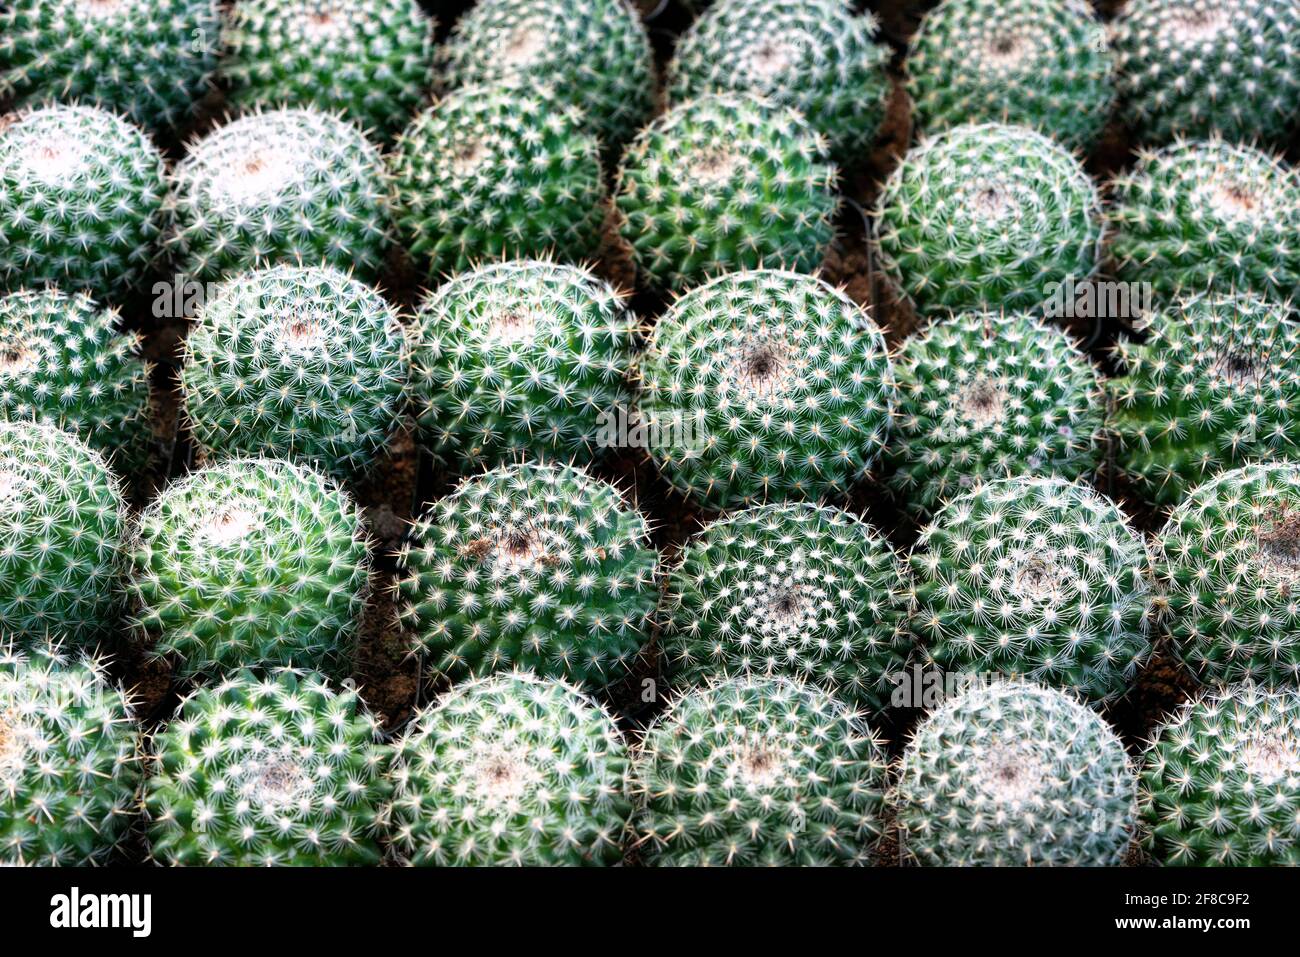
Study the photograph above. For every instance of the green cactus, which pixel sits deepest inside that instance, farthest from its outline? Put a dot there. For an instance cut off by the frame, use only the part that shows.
(725, 183)
(987, 216)
(798, 590)
(518, 360)
(1034, 578)
(1221, 780)
(759, 771)
(303, 363)
(291, 186)
(537, 567)
(510, 769)
(81, 201)
(1015, 774)
(1215, 385)
(371, 61)
(274, 770)
(765, 385)
(252, 562)
(983, 396)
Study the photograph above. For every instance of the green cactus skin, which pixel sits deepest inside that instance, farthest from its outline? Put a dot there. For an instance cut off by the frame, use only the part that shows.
(517, 360)
(816, 56)
(149, 60)
(987, 216)
(1221, 780)
(490, 174)
(254, 562)
(1227, 565)
(274, 770)
(510, 769)
(595, 52)
(1015, 774)
(69, 759)
(62, 525)
(722, 184)
(371, 60)
(759, 771)
(303, 363)
(81, 201)
(765, 385)
(536, 567)
(1034, 578)
(798, 590)
(293, 186)
(984, 396)
(1215, 385)
(1044, 64)
(1199, 67)
(1207, 216)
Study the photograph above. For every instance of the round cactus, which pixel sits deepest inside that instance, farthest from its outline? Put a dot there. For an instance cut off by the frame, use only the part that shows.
(537, 567)
(1198, 67)
(491, 174)
(285, 186)
(1216, 384)
(81, 200)
(64, 361)
(983, 396)
(725, 183)
(510, 769)
(759, 771)
(1015, 774)
(798, 590)
(1034, 578)
(62, 524)
(520, 360)
(304, 363)
(279, 770)
(987, 217)
(252, 562)
(371, 60)
(1044, 64)
(1221, 780)
(765, 385)
(816, 56)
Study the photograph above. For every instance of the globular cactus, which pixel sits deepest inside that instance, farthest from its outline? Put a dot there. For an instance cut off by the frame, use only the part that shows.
(987, 216)
(799, 590)
(255, 562)
(1211, 216)
(536, 567)
(1198, 67)
(510, 769)
(371, 60)
(81, 201)
(285, 186)
(724, 183)
(1221, 780)
(64, 360)
(277, 769)
(62, 526)
(983, 396)
(149, 60)
(1015, 774)
(765, 386)
(1215, 385)
(1034, 578)
(1045, 64)
(525, 359)
(299, 362)
(759, 771)
(490, 174)
(817, 56)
